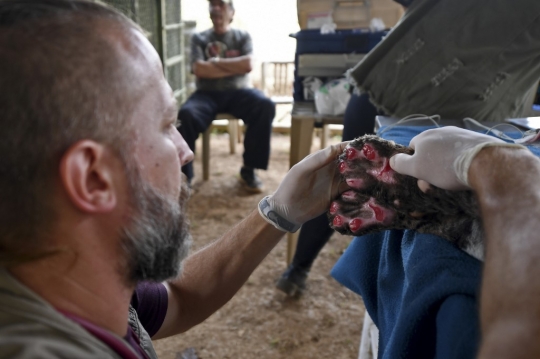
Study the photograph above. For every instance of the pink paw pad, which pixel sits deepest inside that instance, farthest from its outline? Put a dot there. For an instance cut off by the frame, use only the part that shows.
(352, 153)
(348, 195)
(369, 152)
(380, 214)
(356, 183)
(342, 167)
(338, 221)
(355, 224)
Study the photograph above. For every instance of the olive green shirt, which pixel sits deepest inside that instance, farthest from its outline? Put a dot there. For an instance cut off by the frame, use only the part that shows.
(31, 328)
(456, 58)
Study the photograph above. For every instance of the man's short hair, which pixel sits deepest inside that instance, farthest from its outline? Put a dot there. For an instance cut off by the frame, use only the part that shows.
(61, 81)
(228, 2)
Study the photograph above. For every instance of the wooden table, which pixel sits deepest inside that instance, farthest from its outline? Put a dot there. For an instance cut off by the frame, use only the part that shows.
(304, 118)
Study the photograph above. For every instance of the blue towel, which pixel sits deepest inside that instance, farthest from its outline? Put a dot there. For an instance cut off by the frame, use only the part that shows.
(420, 290)
(404, 134)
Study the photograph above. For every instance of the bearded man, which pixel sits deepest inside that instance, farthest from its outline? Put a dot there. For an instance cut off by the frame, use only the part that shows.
(93, 233)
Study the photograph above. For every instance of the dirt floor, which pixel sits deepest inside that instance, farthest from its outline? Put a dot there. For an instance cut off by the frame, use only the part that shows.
(260, 321)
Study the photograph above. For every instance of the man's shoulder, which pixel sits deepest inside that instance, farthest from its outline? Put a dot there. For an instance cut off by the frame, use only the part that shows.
(202, 35)
(206, 32)
(22, 337)
(32, 328)
(210, 33)
(239, 33)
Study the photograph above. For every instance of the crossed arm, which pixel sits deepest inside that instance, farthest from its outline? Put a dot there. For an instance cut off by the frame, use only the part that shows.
(223, 67)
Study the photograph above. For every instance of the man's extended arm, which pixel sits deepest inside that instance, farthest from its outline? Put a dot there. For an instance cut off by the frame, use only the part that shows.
(214, 274)
(508, 188)
(211, 276)
(222, 67)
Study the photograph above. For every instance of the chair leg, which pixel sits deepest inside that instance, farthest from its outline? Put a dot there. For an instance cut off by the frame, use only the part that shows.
(240, 131)
(206, 153)
(233, 133)
(325, 136)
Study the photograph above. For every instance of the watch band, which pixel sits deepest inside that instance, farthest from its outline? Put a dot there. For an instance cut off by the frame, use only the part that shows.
(274, 218)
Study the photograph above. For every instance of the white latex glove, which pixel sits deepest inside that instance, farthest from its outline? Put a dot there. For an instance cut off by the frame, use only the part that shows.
(442, 156)
(306, 191)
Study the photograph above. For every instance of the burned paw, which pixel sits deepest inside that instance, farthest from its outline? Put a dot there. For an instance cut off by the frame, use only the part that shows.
(366, 162)
(380, 198)
(356, 214)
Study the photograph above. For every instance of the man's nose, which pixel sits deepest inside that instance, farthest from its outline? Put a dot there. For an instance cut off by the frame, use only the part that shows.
(184, 152)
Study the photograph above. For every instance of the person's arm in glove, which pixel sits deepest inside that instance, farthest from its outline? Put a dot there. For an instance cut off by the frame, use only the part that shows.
(306, 191)
(211, 276)
(442, 156)
(506, 183)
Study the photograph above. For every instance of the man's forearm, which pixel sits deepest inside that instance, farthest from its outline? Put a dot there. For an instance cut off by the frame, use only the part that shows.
(236, 65)
(222, 67)
(212, 275)
(507, 184)
(209, 70)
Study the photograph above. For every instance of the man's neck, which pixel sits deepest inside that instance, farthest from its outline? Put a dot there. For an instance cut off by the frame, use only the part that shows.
(221, 30)
(90, 288)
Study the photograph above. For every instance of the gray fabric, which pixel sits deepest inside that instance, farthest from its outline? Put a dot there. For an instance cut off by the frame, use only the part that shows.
(208, 44)
(144, 339)
(31, 328)
(456, 58)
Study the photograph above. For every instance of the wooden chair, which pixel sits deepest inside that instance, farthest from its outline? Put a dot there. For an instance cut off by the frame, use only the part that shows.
(235, 134)
(278, 86)
(277, 82)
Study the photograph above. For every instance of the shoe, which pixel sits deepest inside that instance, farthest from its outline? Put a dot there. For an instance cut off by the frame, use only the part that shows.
(292, 281)
(250, 180)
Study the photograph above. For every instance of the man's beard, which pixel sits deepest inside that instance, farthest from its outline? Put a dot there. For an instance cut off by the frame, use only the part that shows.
(157, 240)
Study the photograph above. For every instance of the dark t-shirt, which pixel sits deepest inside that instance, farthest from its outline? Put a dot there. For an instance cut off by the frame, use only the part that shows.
(208, 44)
(150, 301)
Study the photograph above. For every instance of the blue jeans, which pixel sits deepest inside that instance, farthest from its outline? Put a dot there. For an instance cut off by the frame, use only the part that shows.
(359, 120)
(256, 111)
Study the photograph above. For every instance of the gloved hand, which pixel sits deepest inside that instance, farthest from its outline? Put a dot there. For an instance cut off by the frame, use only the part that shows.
(306, 191)
(442, 156)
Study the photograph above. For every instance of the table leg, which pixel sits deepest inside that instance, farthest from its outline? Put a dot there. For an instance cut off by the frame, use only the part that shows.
(292, 239)
(301, 137)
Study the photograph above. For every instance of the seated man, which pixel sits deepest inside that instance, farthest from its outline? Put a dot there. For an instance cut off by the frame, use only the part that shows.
(221, 60)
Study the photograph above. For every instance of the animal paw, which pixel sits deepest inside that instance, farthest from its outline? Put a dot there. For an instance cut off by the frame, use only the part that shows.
(366, 162)
(380, 198)
(356, 214)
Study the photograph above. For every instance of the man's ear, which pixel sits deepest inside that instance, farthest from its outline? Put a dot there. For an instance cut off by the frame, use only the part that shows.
(87, 172)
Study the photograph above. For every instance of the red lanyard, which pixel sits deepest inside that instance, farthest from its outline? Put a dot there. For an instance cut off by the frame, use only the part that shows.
(121, 347)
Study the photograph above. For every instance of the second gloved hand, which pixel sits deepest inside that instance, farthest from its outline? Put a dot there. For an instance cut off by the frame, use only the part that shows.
(306, 191)
(442, 156)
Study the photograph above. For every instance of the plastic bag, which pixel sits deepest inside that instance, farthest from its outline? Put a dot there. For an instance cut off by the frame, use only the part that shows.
(377, 24)
(311, 86)
(333, 97)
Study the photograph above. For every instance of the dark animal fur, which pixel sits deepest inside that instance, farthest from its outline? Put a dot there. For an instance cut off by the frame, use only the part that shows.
(453, 215)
